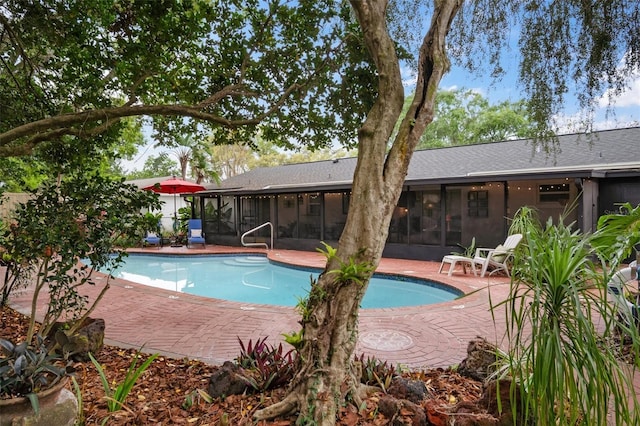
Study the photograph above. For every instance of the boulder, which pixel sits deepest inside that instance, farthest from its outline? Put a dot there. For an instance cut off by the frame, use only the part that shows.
(228, 380)
(411, 390)
(88, 338)
(480, 362)
(401, 412)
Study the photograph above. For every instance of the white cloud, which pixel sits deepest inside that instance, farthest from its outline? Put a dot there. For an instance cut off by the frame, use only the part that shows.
(630, 97)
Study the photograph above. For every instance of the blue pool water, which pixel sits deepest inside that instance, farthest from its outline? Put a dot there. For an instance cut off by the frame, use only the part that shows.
(254, 279)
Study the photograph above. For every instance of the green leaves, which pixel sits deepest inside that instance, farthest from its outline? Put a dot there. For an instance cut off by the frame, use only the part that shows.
(27, 370)
(352, 270)
(565, 366)
(618, 234)
(83, 216)
(233, 64)
(465, 117)
(116, 396)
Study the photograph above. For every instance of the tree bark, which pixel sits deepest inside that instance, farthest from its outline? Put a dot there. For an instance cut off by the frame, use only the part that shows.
(330, 318)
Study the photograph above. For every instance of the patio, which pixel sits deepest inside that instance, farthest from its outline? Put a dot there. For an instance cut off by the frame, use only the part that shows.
(208, 329)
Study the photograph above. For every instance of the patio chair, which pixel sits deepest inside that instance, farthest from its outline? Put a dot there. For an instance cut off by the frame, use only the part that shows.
(152, 239)
(496, 259)
(627, 310)
(194, 233)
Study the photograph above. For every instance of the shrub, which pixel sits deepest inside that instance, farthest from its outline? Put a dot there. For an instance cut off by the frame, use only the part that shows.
(266, 366)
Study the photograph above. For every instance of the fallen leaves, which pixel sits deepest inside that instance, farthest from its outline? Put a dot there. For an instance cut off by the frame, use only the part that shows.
(173, 392)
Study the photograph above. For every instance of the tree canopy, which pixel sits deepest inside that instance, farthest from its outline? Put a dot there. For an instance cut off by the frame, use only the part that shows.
(77, 68)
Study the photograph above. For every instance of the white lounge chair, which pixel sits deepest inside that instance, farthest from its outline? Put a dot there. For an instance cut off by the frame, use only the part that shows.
(497, 258)
(615, 293)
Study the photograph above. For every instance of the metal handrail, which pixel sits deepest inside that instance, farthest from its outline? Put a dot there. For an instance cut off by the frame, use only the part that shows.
(254, 230)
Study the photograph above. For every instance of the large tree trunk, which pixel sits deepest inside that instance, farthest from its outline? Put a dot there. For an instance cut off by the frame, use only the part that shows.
(330, 318)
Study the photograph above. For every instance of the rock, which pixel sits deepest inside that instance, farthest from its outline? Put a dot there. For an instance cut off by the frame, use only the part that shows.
(411, 390)
(480, 361)
(88, 338)
(228, 380)
(401, 412)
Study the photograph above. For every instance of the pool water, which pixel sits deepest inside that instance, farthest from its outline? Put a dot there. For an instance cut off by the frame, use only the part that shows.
(254, 279)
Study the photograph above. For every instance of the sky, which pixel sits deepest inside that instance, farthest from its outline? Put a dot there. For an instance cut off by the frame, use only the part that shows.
(624, 110)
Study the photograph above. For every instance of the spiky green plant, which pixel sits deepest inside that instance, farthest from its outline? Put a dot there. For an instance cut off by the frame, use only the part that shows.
(565, 374)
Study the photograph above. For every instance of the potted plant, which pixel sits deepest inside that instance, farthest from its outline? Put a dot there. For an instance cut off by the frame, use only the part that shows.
(32, 386)
(69, 228)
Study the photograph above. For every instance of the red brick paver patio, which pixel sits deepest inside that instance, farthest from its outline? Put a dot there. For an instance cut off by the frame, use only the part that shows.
(183, 325)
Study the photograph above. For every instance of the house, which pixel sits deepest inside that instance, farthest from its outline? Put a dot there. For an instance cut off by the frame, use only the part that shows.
(450, 195)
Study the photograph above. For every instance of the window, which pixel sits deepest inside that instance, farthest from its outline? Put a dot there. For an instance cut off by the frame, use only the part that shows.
(313, 205)
(478, 203)
(559, 192)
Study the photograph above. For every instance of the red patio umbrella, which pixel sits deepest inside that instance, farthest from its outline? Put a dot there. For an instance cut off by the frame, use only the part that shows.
(174, 186)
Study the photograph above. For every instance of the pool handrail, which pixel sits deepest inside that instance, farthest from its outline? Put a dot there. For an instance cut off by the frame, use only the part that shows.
(269, 224)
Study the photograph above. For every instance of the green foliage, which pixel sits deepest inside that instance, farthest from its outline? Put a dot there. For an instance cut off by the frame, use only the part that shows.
(80, 217)
(266, 366)
(303, 308)
(328, 252)
(349, 271)
(467, 251)
(375, 372)
(563, 47)
(17, 276)
(194, 397)
(151, 222)
(179, 62)
(116, 396)
(80, 420)
(566, 374)
(26, 370)
(465, 117)
(156, 165)
(295, 338)
(353, 271)
(618, 234)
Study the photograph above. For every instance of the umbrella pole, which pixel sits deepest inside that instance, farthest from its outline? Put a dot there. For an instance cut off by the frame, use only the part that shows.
(175, 215)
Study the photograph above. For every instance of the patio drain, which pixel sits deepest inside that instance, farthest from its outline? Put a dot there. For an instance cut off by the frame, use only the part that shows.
(386, 340)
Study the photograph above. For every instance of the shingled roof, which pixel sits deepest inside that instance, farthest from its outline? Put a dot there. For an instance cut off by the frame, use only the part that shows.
(599, 154)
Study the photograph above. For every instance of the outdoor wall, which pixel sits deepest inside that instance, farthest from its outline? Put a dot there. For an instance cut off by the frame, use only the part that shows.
(614, 192)
(551, 198)
(483, 214)
(9, 201)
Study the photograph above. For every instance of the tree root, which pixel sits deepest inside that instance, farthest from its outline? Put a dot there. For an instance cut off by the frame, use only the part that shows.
(287, 406)
(362, 392)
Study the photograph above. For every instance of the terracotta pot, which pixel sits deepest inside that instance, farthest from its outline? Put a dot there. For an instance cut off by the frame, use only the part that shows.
(58, 406)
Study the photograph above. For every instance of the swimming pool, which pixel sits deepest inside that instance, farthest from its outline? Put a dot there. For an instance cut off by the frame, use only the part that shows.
(254, 279)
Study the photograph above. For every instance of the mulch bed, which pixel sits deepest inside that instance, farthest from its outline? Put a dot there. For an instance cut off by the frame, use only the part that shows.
(168, 392)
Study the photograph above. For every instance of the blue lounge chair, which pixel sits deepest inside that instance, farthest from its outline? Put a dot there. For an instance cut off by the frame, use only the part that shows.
(195, 234)
(152, 239)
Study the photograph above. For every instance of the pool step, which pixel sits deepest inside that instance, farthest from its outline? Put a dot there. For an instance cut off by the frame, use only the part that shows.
(247, 261)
